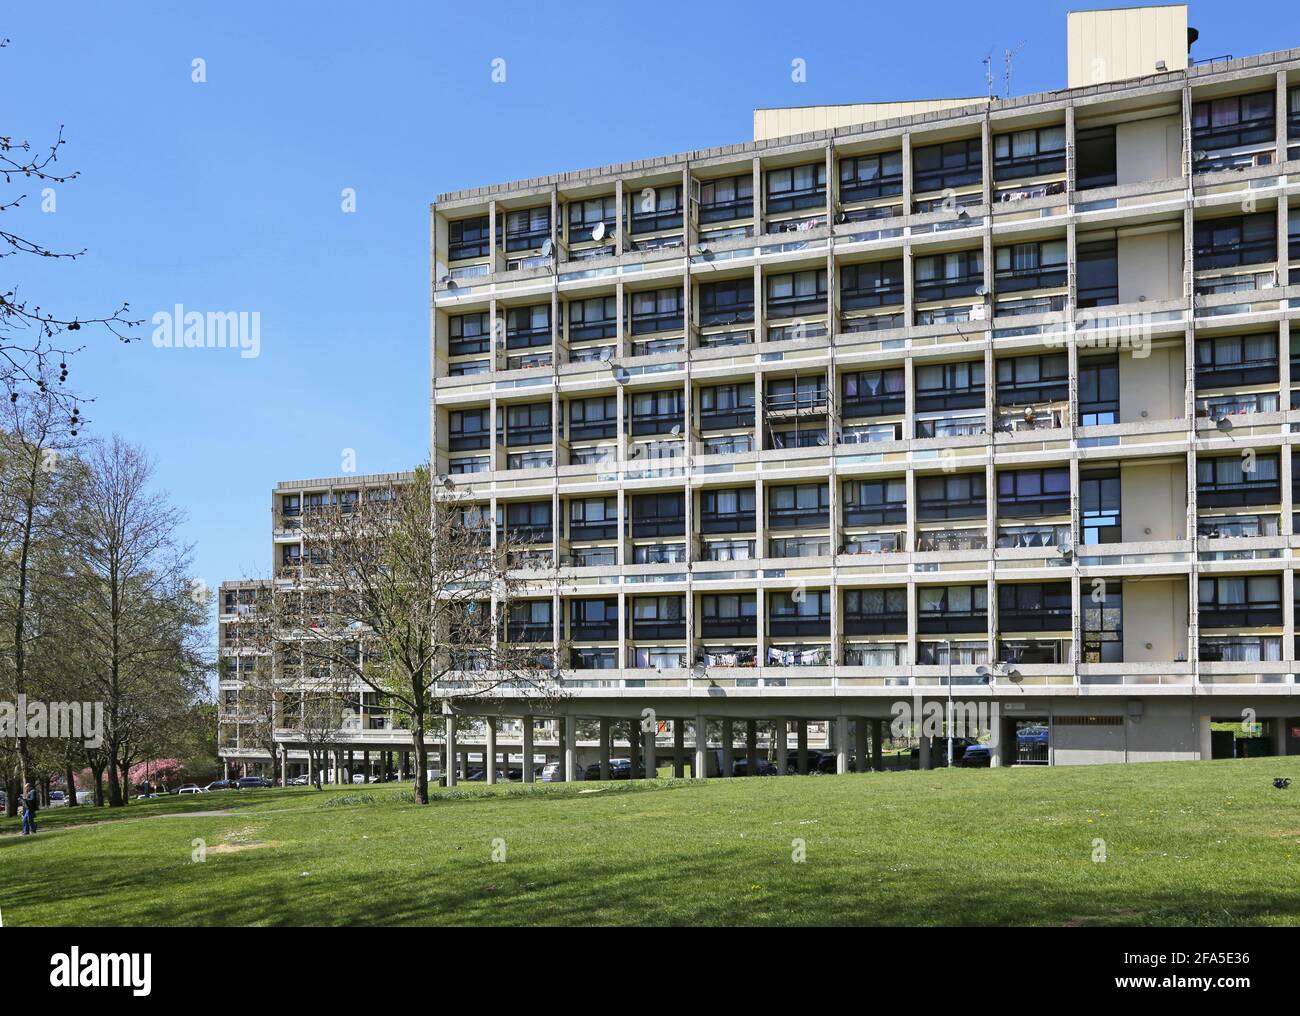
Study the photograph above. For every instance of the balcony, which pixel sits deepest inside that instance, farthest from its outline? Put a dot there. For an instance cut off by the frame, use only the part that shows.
(1239, 648)
(1053, 618)
(873, 543)
(1251, 614)
(656, 630)
(949, 288)
(951, 621)
(529, 631)
(798, 518)
(713, 627)
(800, 546)
(1237, 526)
(883, 623)
(593, 631)
(964, 425)
(731, 522)
(658, 423)
(956, 508)
(1239, 495)
(659, 525)
(875, 654)
(874, 514)
(803, 626)
(1025, 537)
(1023, 652)
(1217, 407)
(873, 433)
(943, 540)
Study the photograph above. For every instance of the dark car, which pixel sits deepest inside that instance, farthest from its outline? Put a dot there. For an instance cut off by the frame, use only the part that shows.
(222, 785)
(976, 756)
(740, 767)
(480, 776)
(818, 762)
(939, 751)
(251, 782)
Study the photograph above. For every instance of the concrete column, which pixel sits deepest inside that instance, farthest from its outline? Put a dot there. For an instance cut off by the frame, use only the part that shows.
(604, 748)
(841, 744)
(634, 746)
(648, 748)
(728, 741)
(490, 751)
(449, 770)
(679, 748)
(801, 731)
(568, 728)
(860, 744)
(751, 747)
(782, 745)
(528, 750)
(1279, 735)
(700, 768)
(1203, 729)
(365, 756)
(925, 752)
(877, 745)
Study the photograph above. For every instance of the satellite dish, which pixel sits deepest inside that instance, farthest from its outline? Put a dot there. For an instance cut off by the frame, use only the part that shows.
(1224, 424)
(546, 248)
(1064, 549)
(598, 232)
(1029, 414)
(981, 290)
(677, 430)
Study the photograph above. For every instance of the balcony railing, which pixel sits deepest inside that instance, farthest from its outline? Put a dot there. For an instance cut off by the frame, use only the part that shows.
(1016, 537)
(948, 540)
(1240, 615)
(875, 654)
(1237, 526)
(1038, 619)
(942, 622)
(1218, 406)
(1236, 495)
(1239, 648)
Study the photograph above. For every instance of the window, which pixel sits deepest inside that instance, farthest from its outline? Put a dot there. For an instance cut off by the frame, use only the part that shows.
(875, 502)
(593, 619)
(1098, 274)
(1099, 507)
(529, 620)
(948, 276)
(796, 393)
(656, 208)
(468, 238)
(658, 514)
(804, 613)
(727, 511)
(1235, 121)
(527, 229)
(959, 496)
(1025, 266)
(658, 617)
(950, 385)
(468, 334)
(1029, 153)
(596, 318)
(1103, 627)
(593, 418)
(875, 611)
(878, 284)
(528, 425)
(790, 190)
(528, 326)
(658, 310)
(594, 518)
(728, 302)
(658, 412)
(469, 429)
(1095, 152)
(729, 615)
(1236, 360)
(1238, 601)
(729, 198)
(1098, 391)
(952, 164)
(1035, 606)
(726, 406)
(1025, 493)
(796, 295)
(952, 600)
(1235, 480)
(866, 177)
(584, 216)
(1024, 380)
(526, 520)
(873, 392)
(799, 506)
(1234, 241)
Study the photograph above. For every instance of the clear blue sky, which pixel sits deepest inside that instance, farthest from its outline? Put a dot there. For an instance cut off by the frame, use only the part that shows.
(226, 195)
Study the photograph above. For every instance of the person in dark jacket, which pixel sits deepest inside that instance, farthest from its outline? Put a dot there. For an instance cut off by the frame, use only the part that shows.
(31, 805)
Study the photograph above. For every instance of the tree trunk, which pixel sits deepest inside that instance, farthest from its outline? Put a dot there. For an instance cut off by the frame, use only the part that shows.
(12, 790)
(71, 782)
(421, 761)
(99, 787)
(114, 786)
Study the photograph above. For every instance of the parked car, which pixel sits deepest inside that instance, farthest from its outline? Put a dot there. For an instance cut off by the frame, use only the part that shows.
(221, 785)
(480, 776)
(58, 799)
(252, 782)
(83, 797)
(553, 772)
(939, 751)
(187, 788)
(740, 767)
(298, 781)
(976, 756)
(818, 762)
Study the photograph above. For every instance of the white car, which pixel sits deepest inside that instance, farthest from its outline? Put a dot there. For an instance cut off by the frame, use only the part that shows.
(192, 790)
(58, 799)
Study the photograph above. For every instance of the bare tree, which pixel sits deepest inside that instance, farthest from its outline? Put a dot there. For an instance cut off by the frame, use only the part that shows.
(407, 594)
(140, 617)
(35, 341)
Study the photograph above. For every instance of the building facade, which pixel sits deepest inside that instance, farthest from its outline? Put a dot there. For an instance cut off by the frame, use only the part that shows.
(987, 403)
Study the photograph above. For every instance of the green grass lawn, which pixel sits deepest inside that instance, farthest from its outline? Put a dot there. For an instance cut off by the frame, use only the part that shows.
(1200, 843)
